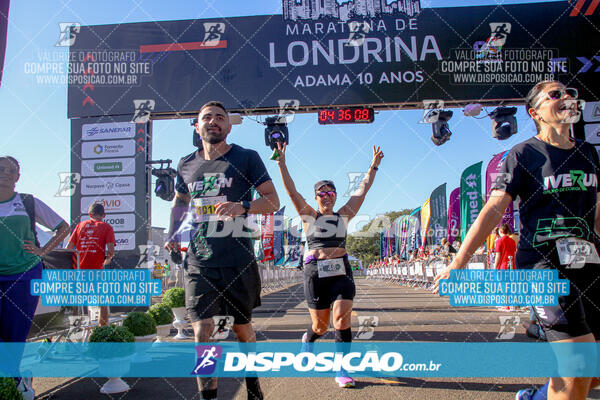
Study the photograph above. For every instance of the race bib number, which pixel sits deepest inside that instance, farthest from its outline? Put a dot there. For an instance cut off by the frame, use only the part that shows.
(204, 207)
(576, 252)
(331, 267)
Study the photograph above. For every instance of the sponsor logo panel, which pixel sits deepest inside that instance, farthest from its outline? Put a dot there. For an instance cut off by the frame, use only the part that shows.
(119, 222)
(107, 149)
(112, 204)
(125, 241)
(110, 185)
(111, 130)
(113, 166)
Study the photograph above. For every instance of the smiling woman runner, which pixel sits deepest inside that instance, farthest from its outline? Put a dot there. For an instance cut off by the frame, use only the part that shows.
(556, 178)
(327, 273)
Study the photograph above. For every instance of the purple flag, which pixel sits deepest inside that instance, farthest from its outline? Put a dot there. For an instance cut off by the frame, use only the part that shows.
(454, 215)
(4, 5)
(491, 173)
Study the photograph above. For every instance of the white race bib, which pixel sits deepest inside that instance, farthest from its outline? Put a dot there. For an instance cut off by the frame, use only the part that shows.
(204, 207)
(576, 252)
(331, 267)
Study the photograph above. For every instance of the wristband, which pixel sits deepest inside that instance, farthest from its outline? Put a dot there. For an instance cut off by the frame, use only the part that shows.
(375, 168)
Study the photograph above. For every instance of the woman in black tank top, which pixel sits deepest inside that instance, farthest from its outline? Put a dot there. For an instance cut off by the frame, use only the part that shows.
(327, 273)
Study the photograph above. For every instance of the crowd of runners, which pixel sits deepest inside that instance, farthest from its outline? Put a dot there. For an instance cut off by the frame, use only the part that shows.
(221, 275)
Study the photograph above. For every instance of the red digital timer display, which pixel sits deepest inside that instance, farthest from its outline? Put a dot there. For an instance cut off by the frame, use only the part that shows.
(349, 115)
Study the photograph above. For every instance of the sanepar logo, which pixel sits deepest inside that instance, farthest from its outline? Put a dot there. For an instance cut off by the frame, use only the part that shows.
(116, 166)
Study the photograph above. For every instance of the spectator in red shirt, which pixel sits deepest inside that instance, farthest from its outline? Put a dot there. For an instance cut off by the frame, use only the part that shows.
(505, 249)
(95, 242)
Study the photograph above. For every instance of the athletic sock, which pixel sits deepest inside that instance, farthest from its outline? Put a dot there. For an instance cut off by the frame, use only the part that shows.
(541, 393)
(343, 338)
(311, 336)
(253, 388)
(209, 394)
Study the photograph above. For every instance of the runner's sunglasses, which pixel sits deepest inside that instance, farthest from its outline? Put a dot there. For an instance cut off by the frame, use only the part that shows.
(330, 193)
(557, 94)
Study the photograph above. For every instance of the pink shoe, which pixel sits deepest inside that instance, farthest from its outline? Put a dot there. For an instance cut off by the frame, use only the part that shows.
(344, 381)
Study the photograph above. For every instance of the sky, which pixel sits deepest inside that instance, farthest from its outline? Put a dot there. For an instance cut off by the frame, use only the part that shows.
(36, 131)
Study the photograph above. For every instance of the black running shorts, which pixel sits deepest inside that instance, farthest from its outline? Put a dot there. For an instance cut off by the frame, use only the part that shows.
(233, 291)
(320, 293)
(578, 313)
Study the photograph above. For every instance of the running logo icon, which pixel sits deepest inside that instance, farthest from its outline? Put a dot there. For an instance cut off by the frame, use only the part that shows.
(354, 181)
(223, 324)
(493, 45)
(287, 110)
(143, 109)
(508, 326)
(68, 33)
(429, 117)
(207, 359)
(212, 33)
(68, 184)
(358, 32)
(367, 327)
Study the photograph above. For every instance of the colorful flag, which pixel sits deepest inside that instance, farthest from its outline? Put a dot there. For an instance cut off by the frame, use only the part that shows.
(4, 6)
(425, 219)
(439, 215)
(471, 200)
(454, 216)
(278, 229)
(491, 174)
(267, 237)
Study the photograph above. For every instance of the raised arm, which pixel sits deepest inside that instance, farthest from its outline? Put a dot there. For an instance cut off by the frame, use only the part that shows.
(298, 201)
(350, 209)
(488, 218)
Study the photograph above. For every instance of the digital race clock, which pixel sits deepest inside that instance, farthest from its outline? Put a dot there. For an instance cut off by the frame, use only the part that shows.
(349, 115)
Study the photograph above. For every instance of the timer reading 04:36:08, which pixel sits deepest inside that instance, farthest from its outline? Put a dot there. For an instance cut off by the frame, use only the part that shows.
(349, 115)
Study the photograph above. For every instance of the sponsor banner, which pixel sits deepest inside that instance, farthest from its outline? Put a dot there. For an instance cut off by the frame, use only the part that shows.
(109, 130)
(284, 359)
(454, 215)
(112, 204)
(108, 148)
(119, 222)
(439, 215)
(592, 133)
(108, 185)
(104, 167)
(591, 112)
(471, 201)
(278, 251)
(125, 241)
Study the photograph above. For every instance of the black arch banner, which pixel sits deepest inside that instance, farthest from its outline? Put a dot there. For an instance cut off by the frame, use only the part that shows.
(260, 62)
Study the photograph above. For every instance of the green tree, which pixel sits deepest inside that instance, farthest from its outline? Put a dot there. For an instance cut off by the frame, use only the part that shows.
(364, 244)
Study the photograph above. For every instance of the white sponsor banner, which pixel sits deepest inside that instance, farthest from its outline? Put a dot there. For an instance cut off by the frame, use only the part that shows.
(591, 112)
(108, 185)
(110, 130)
(108, 148)
(119, 222)
(125, 241)
(592, 133)
(112, 204)
(108, 166)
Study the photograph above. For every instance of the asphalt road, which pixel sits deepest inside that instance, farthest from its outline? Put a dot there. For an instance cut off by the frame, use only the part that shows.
(405, 314)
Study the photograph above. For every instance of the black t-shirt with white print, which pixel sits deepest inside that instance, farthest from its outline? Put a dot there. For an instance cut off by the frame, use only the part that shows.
(217, 243)
(558, 193)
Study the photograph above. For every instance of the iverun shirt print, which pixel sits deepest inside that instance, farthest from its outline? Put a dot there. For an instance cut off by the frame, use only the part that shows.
(558, 193)
(231, 177)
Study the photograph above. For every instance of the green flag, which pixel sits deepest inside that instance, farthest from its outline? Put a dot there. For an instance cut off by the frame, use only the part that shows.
(471, 200)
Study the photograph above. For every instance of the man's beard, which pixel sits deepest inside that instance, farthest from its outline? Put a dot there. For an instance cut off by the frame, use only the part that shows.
(212, 138)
